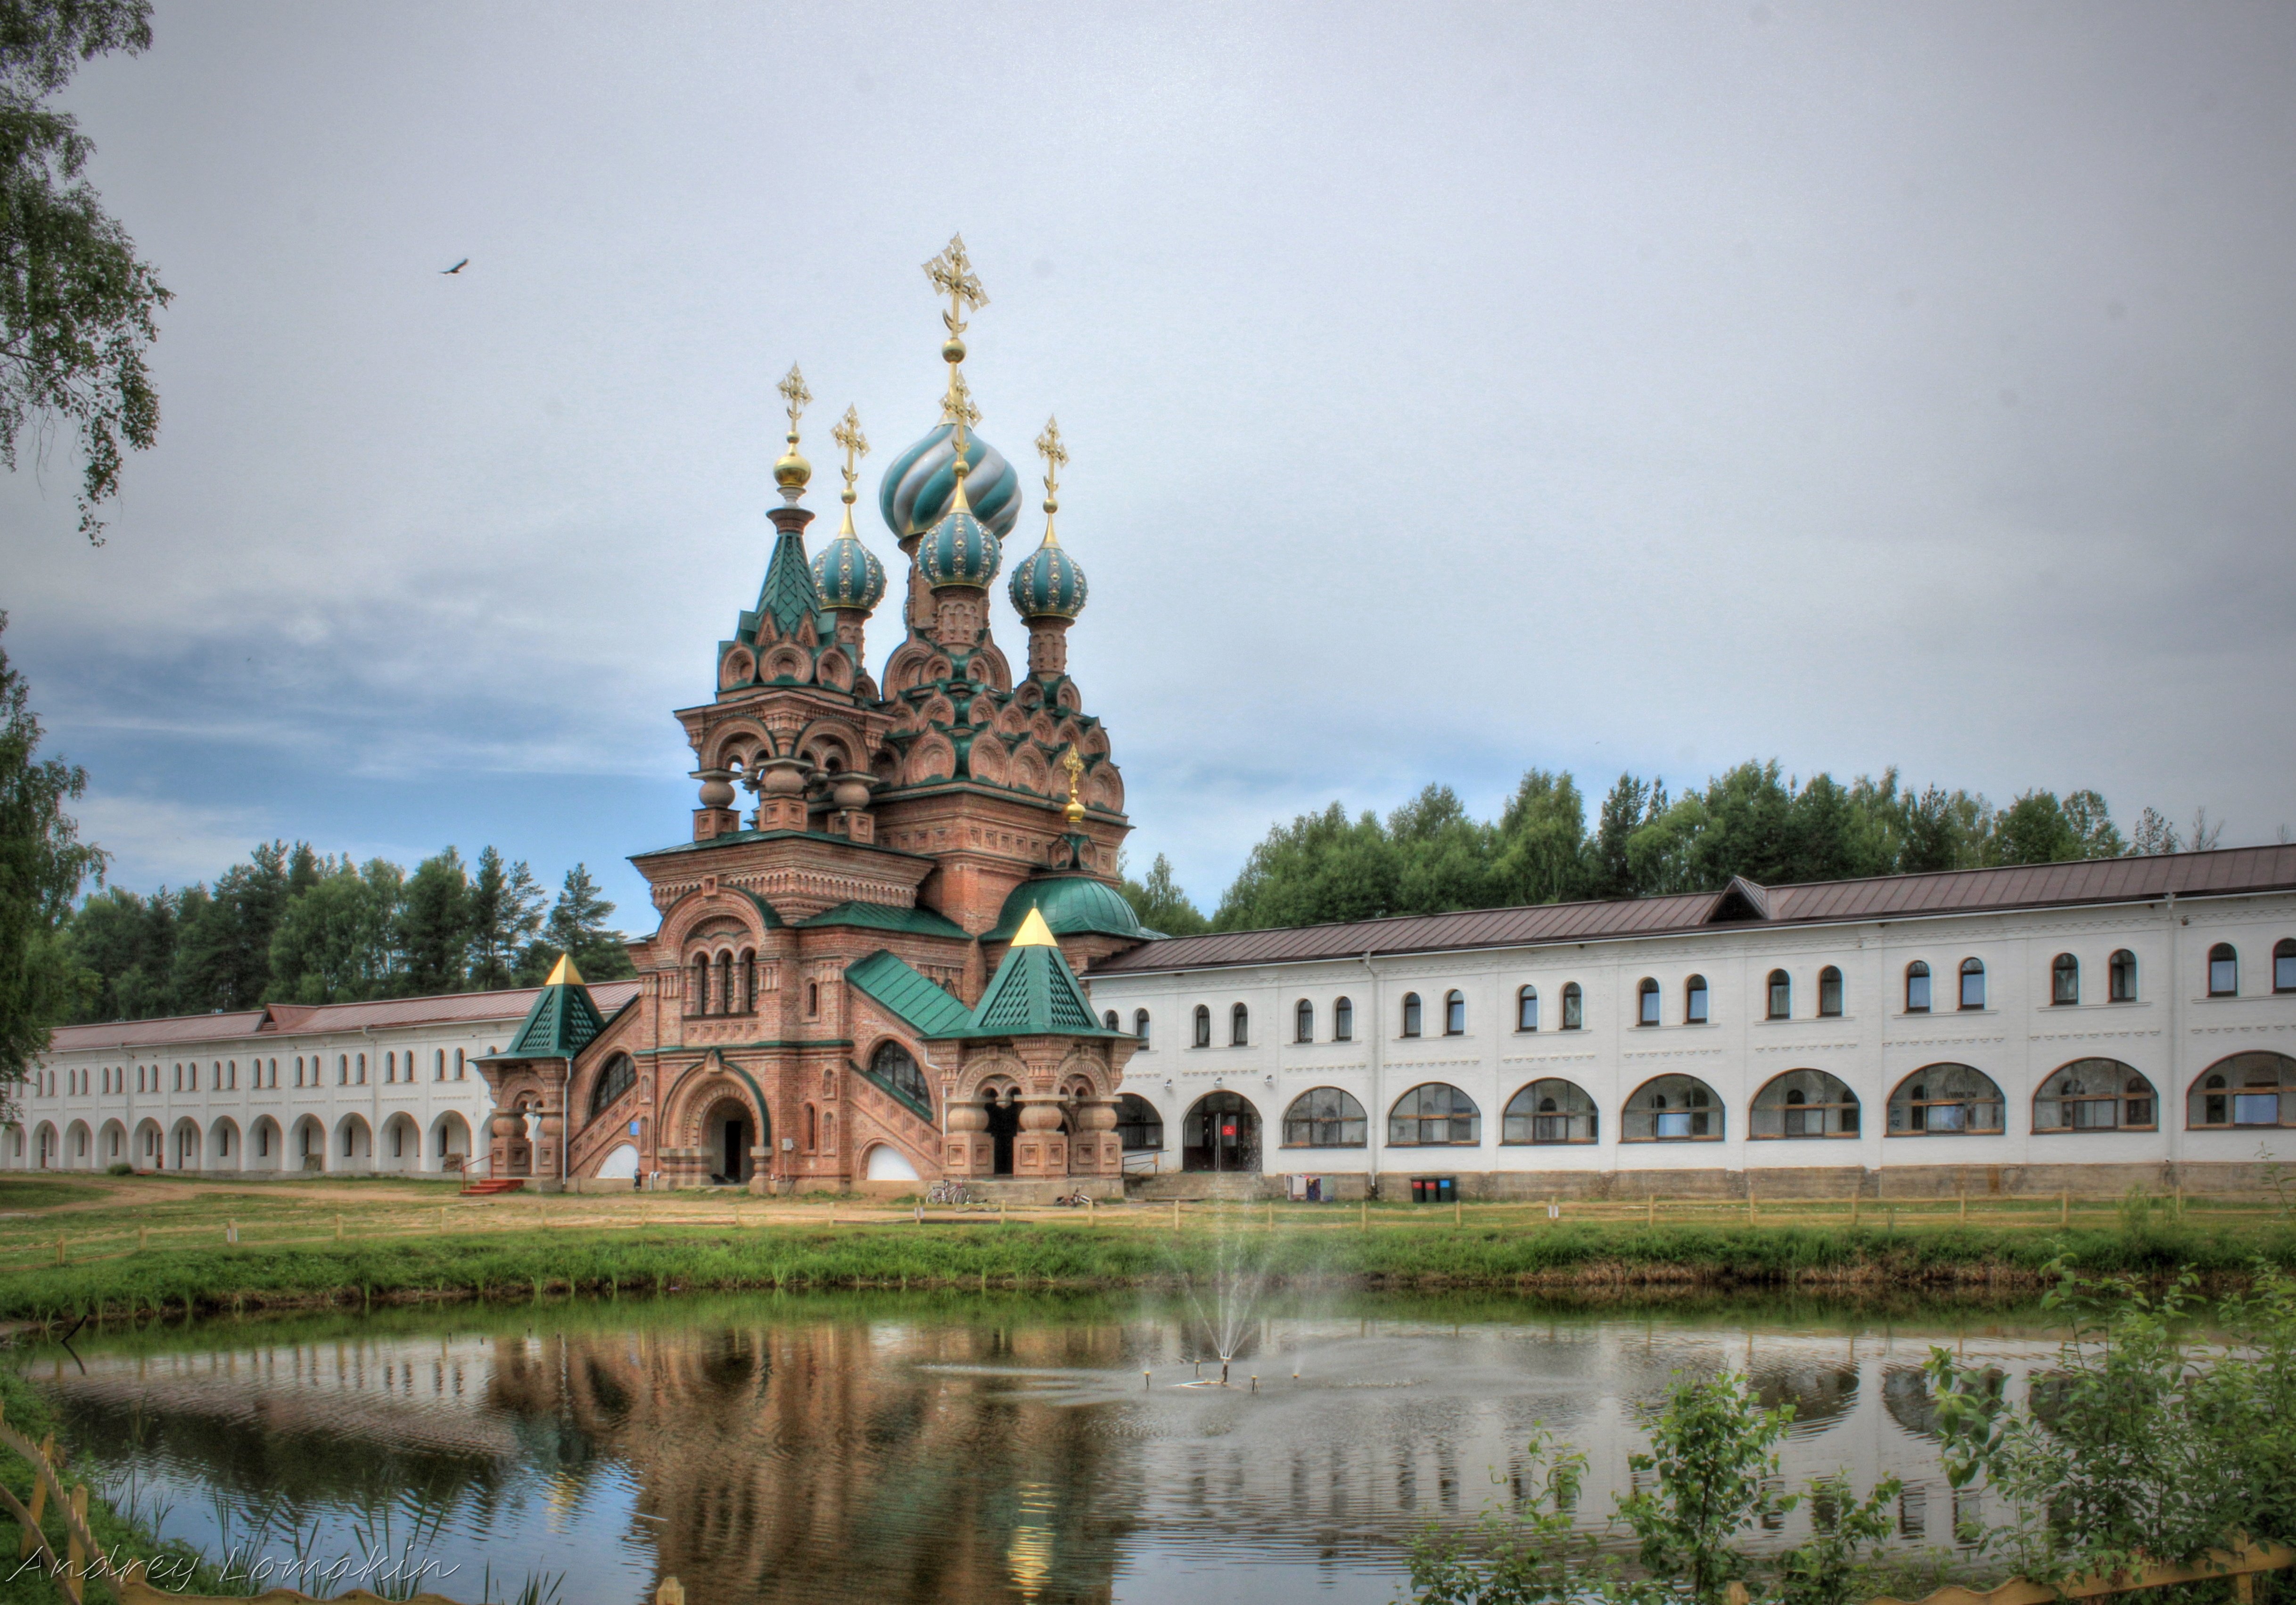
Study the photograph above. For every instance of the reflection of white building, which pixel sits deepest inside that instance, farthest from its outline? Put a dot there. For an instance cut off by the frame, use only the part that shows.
(343, 1087)
(2001, 1030)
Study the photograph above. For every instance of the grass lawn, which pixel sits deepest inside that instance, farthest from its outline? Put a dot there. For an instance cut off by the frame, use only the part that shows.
(142, 1242)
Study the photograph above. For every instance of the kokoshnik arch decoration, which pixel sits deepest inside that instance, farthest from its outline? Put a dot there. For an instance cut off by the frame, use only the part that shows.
(868, 971)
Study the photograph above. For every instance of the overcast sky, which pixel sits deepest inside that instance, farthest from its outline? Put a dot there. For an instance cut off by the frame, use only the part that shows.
(1451, 389)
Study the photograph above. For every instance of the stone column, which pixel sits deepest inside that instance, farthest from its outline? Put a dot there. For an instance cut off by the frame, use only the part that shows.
(1048, 648)
(968, 1151)
(1041, 1149)
(1095, 1150)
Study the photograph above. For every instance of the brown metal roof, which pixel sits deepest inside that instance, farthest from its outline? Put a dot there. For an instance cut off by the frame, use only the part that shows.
(2236, 869)
(381, 1015)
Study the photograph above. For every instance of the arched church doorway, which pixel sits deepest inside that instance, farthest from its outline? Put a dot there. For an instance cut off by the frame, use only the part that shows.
(1003, 1125)
(1220, 1133)
(728, 1132)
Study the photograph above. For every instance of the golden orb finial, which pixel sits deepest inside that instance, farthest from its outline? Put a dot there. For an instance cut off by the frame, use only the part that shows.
(1074, 764)
(791, 472)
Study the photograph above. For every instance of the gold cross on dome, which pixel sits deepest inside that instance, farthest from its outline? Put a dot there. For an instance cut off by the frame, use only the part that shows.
(847, 435)
(793, 391)
(1074, 764)
(956, 407)
(952, 274)
(1055, 455)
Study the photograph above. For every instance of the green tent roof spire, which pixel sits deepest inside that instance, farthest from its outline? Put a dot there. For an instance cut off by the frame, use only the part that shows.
(563, 1022)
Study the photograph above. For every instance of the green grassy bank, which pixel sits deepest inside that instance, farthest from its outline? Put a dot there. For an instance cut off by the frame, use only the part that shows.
(124, 1540)
(1417, 1254)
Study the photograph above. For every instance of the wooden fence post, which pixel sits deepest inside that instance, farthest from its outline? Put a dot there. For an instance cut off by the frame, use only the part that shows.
(1964, 1203)
(339, 1229)
(76, 1557)
(1176, 1214)
(2065, 1208)
(1853, 1208)
(30, 1540)
(1750, 1200)
(1650, 1217)
(1363, 1219)
(671, 1592)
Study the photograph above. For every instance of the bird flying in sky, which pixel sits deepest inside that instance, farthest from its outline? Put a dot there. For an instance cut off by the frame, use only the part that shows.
(457, 267)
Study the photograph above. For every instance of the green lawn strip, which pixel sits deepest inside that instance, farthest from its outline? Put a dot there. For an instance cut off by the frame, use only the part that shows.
(665, 1258)
(124, 1540)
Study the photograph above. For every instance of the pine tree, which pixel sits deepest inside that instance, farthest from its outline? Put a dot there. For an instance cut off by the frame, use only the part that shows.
(434, 926)
(1159, 904)
(578, 927)
(505, 912)
(42, 863)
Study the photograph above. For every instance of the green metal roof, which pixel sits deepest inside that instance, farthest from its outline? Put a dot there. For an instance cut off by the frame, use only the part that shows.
(1072, 905)
(921, 1005)
(884, 916)
(1035, 993)
(563, 1022)
(790, 597)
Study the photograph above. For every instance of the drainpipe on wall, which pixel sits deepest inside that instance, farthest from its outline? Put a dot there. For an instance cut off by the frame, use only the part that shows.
(1373, 1123)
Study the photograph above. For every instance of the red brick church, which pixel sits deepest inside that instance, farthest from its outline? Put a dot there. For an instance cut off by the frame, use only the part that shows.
(866, 966)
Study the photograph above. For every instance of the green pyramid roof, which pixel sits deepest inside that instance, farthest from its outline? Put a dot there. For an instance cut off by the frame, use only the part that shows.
(927, 1008)
(1034, 994)
(790, 595)
(563, 1022)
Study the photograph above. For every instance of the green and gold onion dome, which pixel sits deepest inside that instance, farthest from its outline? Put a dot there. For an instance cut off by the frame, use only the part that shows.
(919, 488)
(849, 575)
(959, 550)
(1047, 584)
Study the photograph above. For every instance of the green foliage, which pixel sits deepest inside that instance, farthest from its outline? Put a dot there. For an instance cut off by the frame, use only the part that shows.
(577, 926)
(42, 863)
(334, 942)
(506, 913)
(434, 925)
(1430, 857)
(1533, 1555)
(1158, 903)
(2150, 1438)
(1713, 1461)
(78, 308)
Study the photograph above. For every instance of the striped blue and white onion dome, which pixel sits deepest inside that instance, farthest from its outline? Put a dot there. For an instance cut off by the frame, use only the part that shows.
(918, 488)
(1047, 584)
(847, 574)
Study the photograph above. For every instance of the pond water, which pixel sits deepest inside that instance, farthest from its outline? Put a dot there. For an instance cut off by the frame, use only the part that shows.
(891, 1448)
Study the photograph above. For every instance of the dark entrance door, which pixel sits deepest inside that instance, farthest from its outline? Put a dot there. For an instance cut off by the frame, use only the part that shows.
(1220, 1133)
(1003, 1125)
(737, 1150)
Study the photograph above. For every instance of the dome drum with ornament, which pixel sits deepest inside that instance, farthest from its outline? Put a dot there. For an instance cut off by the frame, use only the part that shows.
(866, 972)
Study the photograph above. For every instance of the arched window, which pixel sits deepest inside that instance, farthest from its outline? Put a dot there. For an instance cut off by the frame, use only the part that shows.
(1972, 984)
(1140, 1029)
(1646, 1004)
(1526, 1009)
(1672, 1109)
(1343, 1021)
(1917, 988)
(390, 1066)
(1946, 1101)
(1137, 1124)
(1781, 995)
(1108, 1020)
(812, 1127)
(1693, 1001)
(458, 1064)
(2224, 971)
(2284, 965)
(1325, 1117)
(2254, 1088)
(2122, 974)
(1829, 992)
(748, 981)
(1303, 1021)
(438, 1065)
(1804, 1103)
(1455, 1014)
(1434, 1114)
(700, 1003)
(2064, 980)
(1239, 1026)
(1203, 1026)
(812, 998)
(1411, 1014)
(2096, 1095)
(1574, 1006)
(726, 1000)
(896, 1068)
(620, 1075)
(1549, 1111)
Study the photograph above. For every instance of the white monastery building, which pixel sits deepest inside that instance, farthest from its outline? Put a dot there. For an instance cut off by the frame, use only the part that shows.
(343, 1087)
(2021, 1030)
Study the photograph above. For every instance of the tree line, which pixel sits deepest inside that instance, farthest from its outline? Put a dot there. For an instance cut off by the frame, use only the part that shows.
(1431, 857)
(294, 926)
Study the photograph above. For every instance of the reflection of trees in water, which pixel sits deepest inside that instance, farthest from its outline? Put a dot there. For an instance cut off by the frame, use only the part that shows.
(1821, 1393)
(1906, 1396)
